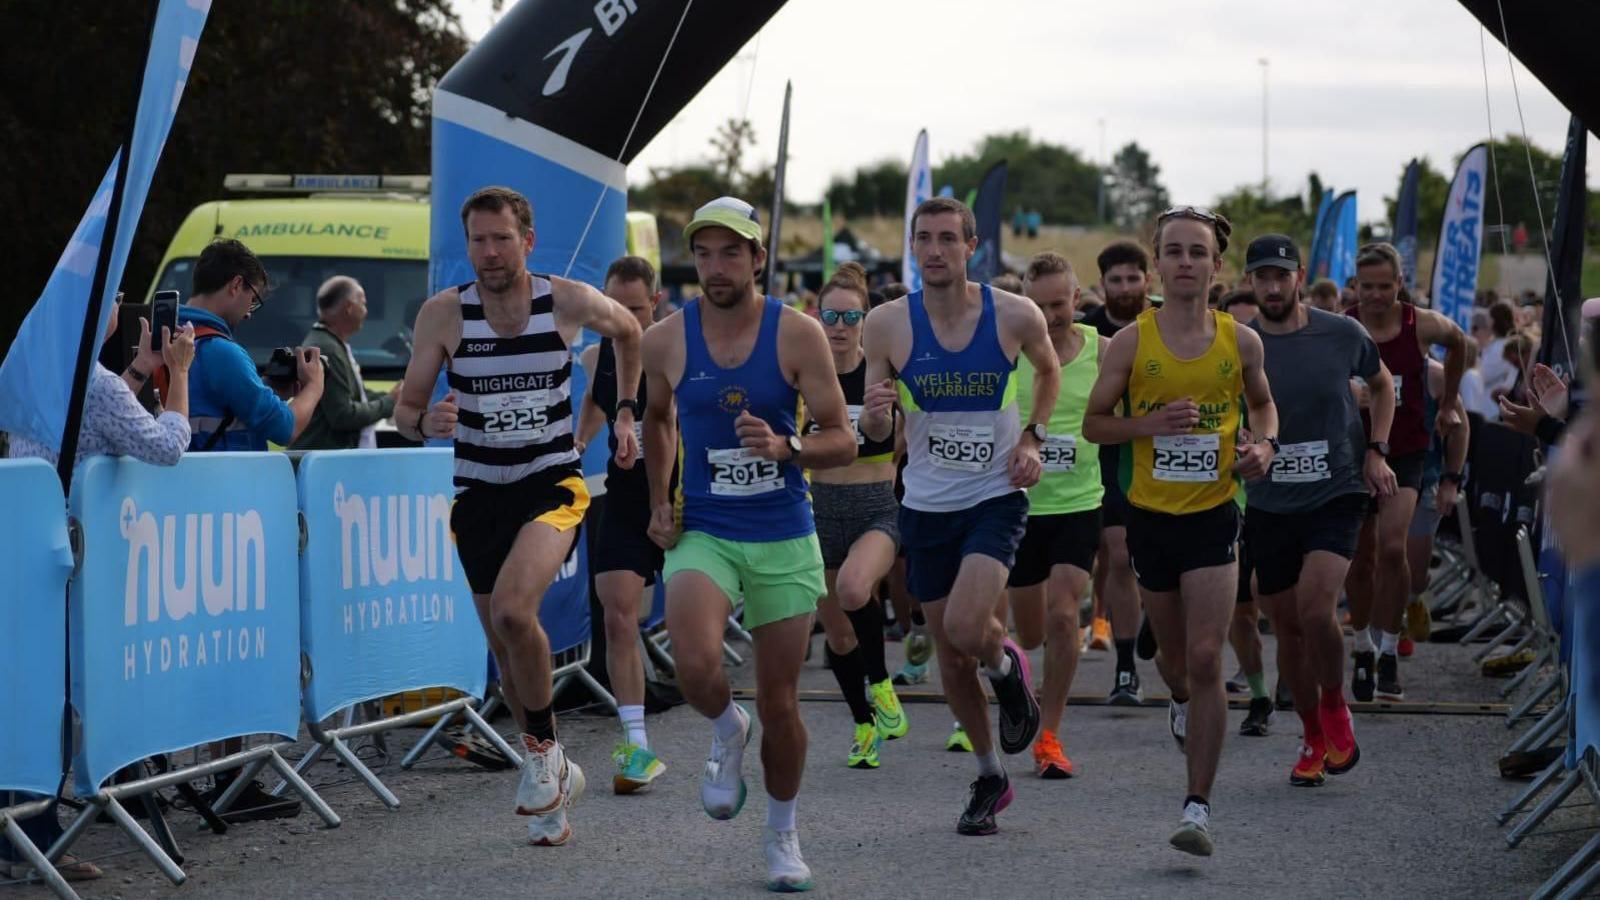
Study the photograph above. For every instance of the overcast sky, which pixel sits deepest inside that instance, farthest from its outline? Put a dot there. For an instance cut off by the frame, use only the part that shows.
(1354, 90)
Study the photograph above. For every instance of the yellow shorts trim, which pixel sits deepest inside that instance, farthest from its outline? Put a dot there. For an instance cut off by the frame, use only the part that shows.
(568, 516)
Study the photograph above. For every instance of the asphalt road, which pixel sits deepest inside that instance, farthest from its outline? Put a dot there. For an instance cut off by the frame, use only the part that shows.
(1414, 818)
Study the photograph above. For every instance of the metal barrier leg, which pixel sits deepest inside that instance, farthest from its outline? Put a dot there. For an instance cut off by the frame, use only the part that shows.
(479, 722)
(1523, 709)
(1483, 623)
(47, 873)
(301, 788)
(1548, 805)
(656, 646)
(86, 817)
(731, 655)
(1530, 670)
(1571, 867)
(246, 775)
(1542, 733)
(595, 687)
(428, 740)
(1589, 878)
(1550, 774)
(1499, 640)
(146, 842)
(342, 750)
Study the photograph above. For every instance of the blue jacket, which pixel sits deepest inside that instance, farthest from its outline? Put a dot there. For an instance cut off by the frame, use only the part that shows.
(223, 379)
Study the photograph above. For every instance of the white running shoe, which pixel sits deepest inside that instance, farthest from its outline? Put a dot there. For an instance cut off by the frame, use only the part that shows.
(787, 873)
(1178, 720)
(722, 787)
(545, 776)
(1194, 831)
(552, 829)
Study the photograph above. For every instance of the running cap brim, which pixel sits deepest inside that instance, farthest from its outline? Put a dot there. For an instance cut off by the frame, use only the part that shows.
(726, 212)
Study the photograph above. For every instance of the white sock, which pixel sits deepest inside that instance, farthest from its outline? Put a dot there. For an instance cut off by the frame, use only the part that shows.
(1391, 642)
(989, 763)
(727, 724)
(780, 813)
(1363, 641)
(633, 725)
(996, 673)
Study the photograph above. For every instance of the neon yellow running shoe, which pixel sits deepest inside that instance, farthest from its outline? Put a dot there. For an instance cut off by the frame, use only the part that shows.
(864, 749)
(636, 768)
(958, 742)
(887, 713)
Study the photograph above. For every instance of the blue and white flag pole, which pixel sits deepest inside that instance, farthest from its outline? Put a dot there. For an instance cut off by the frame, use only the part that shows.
(919, 187)
(46, 371)
(1455, 263)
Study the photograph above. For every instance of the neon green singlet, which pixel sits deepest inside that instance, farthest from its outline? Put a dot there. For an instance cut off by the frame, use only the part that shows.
(1071, 479)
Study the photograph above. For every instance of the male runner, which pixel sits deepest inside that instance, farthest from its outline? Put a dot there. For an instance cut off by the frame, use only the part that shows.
(1183, 369)
(1125, 283)
(969, 461)
(505, 340)
(1058, 548)
(624, 560)
(1442, 476)
(1379, 576)
(738, 364)
(1306, 514)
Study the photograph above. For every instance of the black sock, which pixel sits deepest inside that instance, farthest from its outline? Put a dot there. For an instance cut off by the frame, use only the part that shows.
(541, 723)
(868, 622)
(1124, 654)
(916, 615)
(852, 683)
(1196, 798)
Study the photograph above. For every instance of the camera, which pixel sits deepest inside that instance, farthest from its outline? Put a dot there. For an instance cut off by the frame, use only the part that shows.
(282, 368)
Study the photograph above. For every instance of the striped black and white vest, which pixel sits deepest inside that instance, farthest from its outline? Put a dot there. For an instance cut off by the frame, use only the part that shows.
(514, 395)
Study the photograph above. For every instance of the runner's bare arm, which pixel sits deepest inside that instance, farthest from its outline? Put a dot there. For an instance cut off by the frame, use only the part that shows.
(1380, 390)
(1023, 318)
(1434, 329)
(590, 416)
(1101, 424)
(878, 343)
(1256, 457)
(804, 355)
(663, 353)
(437, 331)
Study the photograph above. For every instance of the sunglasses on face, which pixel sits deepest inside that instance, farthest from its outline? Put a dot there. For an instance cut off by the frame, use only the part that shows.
(850, 316)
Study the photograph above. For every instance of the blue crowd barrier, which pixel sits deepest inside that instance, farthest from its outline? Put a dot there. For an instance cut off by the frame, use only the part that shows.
(37, 561)
(185, 611)
(384, 602)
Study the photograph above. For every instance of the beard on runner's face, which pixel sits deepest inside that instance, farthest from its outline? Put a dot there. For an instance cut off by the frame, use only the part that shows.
(724, 293)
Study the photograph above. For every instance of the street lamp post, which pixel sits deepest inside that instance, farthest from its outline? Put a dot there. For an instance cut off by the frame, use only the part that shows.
(1265, 67)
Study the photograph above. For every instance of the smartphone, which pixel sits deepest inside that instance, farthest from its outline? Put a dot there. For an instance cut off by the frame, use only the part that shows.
(163, 314)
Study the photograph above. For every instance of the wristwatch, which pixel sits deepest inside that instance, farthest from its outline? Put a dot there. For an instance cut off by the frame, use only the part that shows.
(1272, 442)
(794, 447)
(1455, 478)
(1379, 447)
(629, 404)
(1037, 430)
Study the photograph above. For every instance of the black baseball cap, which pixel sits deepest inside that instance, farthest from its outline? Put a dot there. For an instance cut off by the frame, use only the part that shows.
(1271, 250)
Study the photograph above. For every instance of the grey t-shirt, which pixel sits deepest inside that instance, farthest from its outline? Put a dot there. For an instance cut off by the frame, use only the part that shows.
(1319, 425)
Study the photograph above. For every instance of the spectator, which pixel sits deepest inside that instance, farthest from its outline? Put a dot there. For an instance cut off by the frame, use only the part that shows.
(1498, 375)
(347, 416)
(894, 290)
(1325, 295)
(1518, 353)
(1481, 331)
(231, 407)
(1473, 396)
(1007, 282)
(114, 424)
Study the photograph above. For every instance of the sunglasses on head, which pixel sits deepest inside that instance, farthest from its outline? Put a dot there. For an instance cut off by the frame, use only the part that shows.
(1188, 212)
(850, 316)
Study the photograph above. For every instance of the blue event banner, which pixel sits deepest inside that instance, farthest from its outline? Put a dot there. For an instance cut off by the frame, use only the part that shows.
(186, 611)
(384, 602)
(37, 560)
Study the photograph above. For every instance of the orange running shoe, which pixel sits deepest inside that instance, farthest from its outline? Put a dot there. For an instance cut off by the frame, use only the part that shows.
(1048, 759)
(1100, 634)
(1340, 735)
(1307, 771)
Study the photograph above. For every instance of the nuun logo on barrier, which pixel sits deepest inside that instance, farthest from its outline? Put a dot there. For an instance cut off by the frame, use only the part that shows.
(394, 540)
(205, 570)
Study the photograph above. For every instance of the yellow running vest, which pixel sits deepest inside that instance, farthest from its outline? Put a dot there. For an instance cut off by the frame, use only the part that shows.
(1193, 472)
